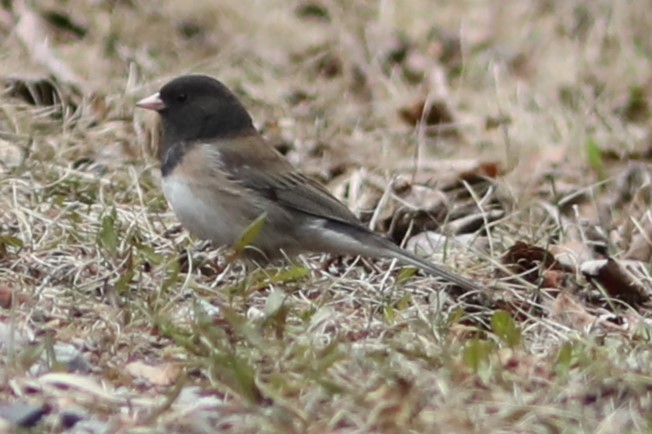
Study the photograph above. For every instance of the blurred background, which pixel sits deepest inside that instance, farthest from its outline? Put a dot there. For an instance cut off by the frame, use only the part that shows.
(524, 89)
(349, 82)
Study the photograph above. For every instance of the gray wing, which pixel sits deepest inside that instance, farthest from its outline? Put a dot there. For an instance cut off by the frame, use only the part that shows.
(280, 182)
(297, 191)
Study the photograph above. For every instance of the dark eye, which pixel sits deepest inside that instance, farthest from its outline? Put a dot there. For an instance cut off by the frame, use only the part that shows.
(181, 97)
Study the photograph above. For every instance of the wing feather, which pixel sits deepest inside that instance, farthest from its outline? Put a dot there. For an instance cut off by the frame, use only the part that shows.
(259, 167)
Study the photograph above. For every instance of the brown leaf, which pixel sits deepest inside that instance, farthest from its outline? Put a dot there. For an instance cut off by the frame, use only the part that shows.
(449, 174)
(567, 310)
(161, 375)
(413, 204)
(8, 297)
(428, 112)
(571, 253)
(406, 207)
(484, 169)
(530, 261)
(640, 247)
(554, 279)
(617, 279)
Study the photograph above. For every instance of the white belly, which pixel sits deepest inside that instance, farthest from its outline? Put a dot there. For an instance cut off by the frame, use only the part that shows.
(208, 216)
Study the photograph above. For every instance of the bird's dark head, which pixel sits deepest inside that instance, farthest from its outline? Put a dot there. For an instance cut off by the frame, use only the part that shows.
(198, 107)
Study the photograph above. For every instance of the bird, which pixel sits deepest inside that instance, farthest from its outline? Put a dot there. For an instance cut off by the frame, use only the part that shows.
(219, 174)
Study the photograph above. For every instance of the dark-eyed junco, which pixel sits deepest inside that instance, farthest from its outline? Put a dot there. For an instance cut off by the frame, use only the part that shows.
(219, 175)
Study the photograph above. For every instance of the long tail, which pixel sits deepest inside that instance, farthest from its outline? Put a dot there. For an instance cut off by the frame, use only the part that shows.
(407, 258)
(364, 242)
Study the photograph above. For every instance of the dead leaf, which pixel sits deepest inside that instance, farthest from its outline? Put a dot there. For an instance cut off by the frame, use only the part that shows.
(161, 375)
(640, 249)
(570, 312)
(8, 297)
(554, 279)
(412, 204)
(530, 261)
(427, 112)
(617, 278)
(449, 174)
(640, 246)
(483, 170)
(572, 253)
(412, 208)
(632, 193)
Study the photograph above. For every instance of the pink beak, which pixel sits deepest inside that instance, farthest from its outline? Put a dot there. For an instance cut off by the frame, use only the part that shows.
(152, 102)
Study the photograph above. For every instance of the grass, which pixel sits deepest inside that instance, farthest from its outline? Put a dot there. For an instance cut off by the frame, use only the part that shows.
(550, 99)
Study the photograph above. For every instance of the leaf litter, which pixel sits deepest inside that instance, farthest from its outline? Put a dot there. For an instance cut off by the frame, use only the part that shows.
(486, 150)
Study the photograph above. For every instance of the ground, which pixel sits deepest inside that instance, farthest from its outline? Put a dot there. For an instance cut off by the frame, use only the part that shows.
(508, 140)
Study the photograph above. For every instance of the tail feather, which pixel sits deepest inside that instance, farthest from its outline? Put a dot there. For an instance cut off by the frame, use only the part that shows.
(342, 237)
(407, 258)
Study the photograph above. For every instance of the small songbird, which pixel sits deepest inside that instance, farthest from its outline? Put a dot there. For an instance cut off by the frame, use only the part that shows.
(220, 174)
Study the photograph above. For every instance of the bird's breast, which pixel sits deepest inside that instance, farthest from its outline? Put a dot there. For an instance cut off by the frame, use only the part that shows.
(207, 212)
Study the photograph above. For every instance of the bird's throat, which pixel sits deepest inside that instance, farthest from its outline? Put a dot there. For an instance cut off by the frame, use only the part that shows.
(171, 155)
